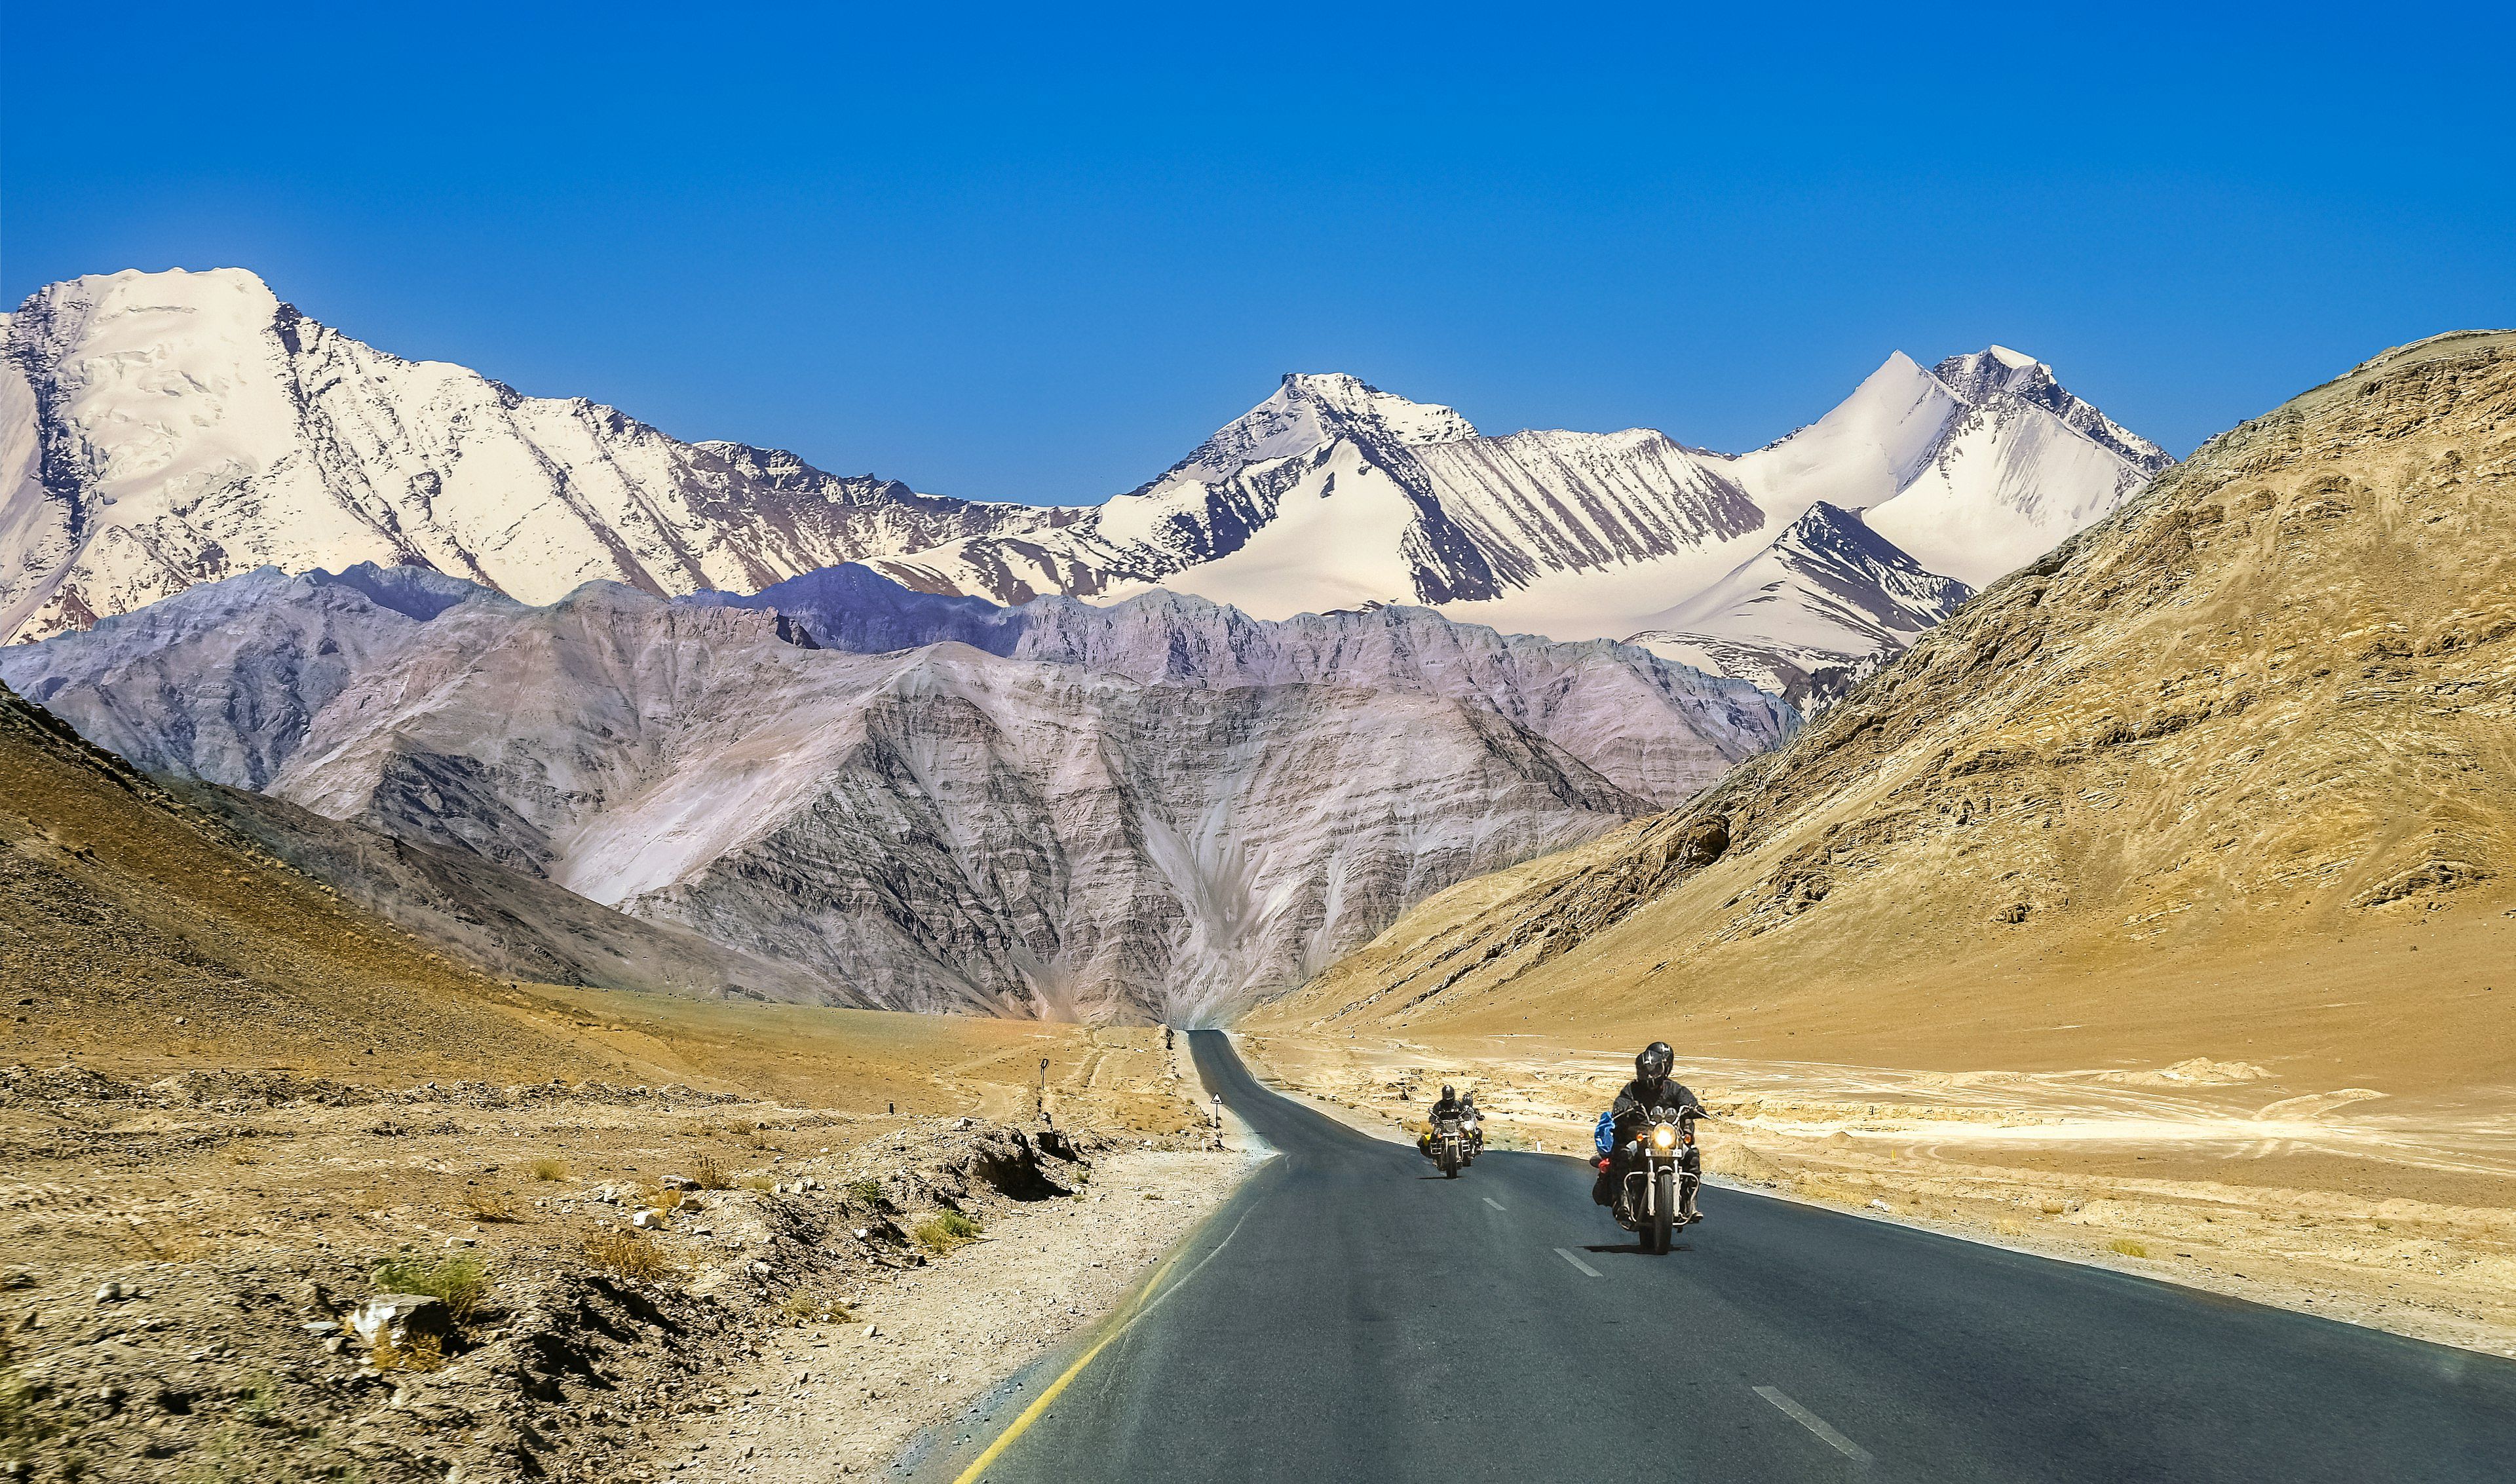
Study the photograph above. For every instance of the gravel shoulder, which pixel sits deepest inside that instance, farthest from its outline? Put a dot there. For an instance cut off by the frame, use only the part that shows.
(921, 1346)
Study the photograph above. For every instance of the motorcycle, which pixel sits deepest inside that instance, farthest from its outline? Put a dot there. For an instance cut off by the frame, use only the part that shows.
(1661, 1186)
(1450, 1147)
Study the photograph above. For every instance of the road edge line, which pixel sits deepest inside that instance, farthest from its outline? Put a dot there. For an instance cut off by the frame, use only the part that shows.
(1144, 1301)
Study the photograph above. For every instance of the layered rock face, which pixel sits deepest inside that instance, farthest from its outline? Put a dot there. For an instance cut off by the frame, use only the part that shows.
(160, 430)
(2182, 764)
(1659, 730)
(1157, 808)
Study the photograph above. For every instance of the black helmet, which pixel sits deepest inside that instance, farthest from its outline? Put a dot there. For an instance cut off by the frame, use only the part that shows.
(1447, 1094)
(1653, 1065)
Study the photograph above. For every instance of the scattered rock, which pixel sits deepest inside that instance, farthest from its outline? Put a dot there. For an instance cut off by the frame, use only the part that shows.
(402, 1317)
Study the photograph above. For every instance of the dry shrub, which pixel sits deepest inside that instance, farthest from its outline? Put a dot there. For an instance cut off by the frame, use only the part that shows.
(420, 1352)
(803, 1306)
(491, 1205)
(22, 1429)
(945, 1231)
(2127, 1247)
(632, 1255)
(870, 1193)
(460, 1280)
(548, 1167)
(710, 1174)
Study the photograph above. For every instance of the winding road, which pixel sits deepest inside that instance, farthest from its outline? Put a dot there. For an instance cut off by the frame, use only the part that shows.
(1349, 1315)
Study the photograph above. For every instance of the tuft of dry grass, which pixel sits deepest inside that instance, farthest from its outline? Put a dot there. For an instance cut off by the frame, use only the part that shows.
(549, 1167)
(710, 1174)
(632, 1255)
(872, 1193)
(945, 1231)
(2127, 1247)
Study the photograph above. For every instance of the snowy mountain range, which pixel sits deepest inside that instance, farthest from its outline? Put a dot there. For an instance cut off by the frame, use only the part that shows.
(158, 430)
(1160, 808)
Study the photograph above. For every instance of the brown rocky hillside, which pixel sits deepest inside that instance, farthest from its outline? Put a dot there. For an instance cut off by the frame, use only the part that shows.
(2233, 771)
(136, 931)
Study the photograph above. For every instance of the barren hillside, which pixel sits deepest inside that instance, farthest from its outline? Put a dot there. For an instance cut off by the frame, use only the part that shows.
(138, 932)
(2233, 771)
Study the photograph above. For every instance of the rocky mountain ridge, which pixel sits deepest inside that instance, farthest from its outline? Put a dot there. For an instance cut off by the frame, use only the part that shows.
(1156, 809)
(161, 430)
(1329, 495)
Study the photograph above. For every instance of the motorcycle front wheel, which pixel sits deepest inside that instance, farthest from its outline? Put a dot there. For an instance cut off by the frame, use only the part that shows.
(1664, 1216)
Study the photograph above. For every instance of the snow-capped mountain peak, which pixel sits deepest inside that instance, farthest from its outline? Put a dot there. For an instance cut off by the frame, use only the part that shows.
(1308, 411)
(1975, 467)
(1998, 372)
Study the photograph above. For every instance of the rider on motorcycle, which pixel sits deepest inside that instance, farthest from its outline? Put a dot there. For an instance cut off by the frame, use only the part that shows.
(1652, 1088)
(1472, 1122)
(1447, 1108)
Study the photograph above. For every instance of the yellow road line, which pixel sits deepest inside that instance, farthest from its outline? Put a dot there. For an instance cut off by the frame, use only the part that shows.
(1134, 1311)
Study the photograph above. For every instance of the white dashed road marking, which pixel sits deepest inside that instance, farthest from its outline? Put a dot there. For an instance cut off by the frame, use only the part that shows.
(1815, 1424)
(1491, 1201)
(1566, 1253)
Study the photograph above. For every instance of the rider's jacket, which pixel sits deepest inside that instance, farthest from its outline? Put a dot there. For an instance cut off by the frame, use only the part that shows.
(1444, 1108)
(1633, 1106)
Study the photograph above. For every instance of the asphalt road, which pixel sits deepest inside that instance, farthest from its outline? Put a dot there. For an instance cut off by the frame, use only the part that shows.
(1349, 1315)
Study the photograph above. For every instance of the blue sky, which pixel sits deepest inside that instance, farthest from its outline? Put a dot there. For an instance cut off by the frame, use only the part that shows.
(1037, 253)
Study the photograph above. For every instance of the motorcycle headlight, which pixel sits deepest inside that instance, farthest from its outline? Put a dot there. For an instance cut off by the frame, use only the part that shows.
(1663, 1137)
